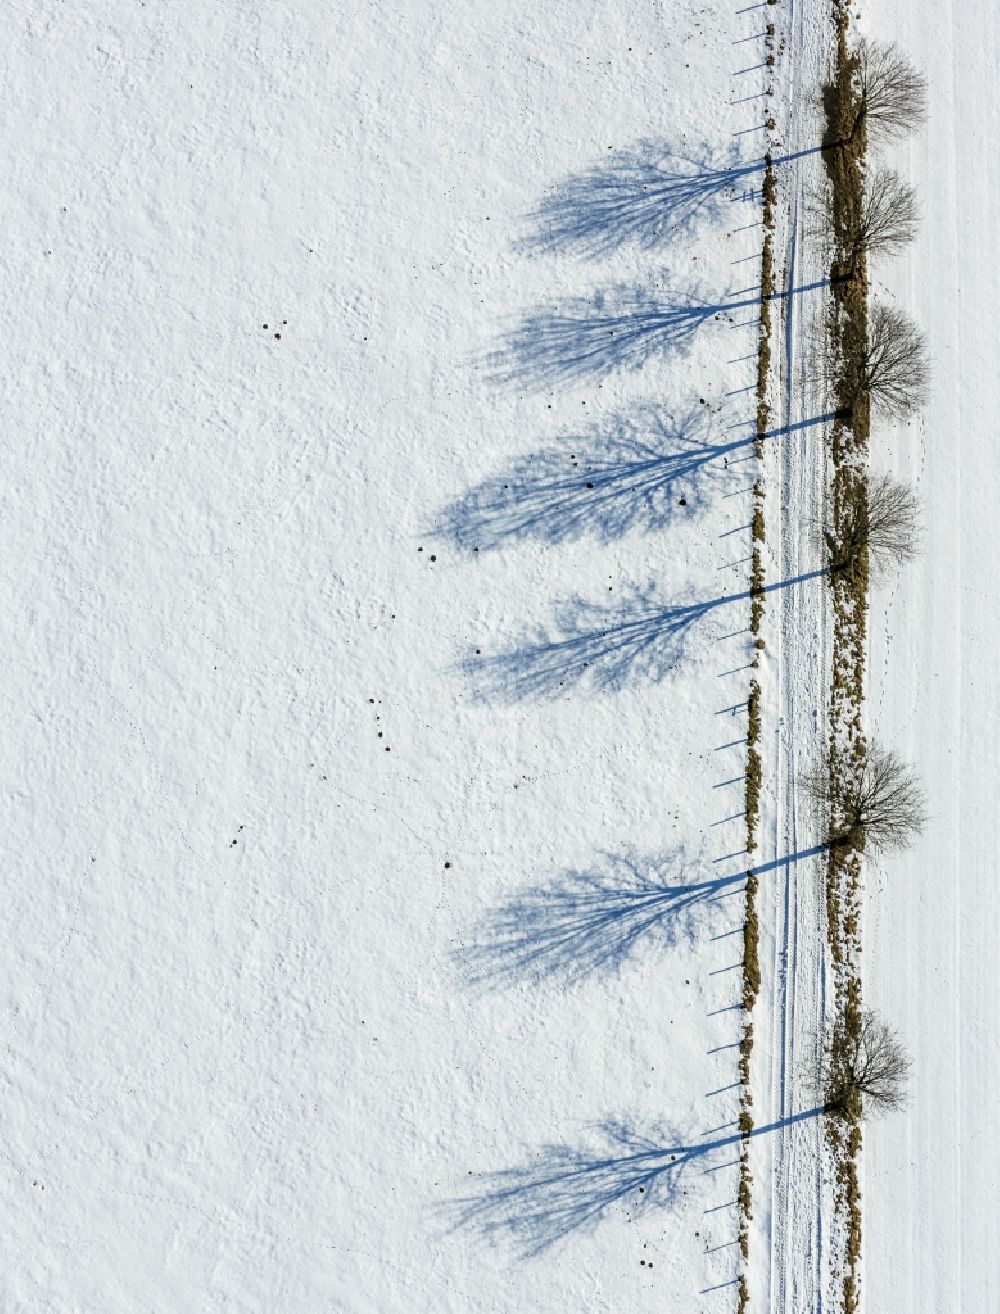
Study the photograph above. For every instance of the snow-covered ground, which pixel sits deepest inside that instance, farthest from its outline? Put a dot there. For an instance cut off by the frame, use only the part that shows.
(792, 1261)
(379, 404)
(932, 1226)
(305, 718)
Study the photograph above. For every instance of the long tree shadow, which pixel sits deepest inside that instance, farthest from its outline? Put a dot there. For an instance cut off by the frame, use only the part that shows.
(618, 328)
(588, 922)
(564, 1189)
(604, 647)
(605, 482)
(643, 196)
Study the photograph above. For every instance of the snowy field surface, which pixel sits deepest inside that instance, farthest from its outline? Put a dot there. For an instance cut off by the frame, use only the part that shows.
(932, 1222)
(376, 534)
(376, 528)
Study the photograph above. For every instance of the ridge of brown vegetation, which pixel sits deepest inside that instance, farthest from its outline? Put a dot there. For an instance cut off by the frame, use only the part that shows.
(844, 153)
(754, 768)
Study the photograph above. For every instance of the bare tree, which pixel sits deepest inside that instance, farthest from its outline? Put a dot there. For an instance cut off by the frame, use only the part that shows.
(892, 366)
(875, 800)
(885, 222)
(891, 95)
(867, 1068)
(882, 517)
(887, 219)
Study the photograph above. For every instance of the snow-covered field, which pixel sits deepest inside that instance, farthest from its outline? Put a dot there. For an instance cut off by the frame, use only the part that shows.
(283, 741)
(379, 410)
(932, 1225)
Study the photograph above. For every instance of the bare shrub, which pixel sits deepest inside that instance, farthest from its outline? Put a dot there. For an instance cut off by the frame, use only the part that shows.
(888, 217)
(882, 518)
(867, 1068)
(891, 94)
(891, 365)
(885, 221)
(873, 801)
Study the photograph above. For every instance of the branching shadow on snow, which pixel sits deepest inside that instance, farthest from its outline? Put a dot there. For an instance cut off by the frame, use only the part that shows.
(644, 196)
(600, 646)
(605, 482)
(618, 328)
(588, 922)
(565, 1189)
(641, 196)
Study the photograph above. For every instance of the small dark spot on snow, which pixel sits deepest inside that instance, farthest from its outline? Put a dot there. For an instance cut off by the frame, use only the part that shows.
(447, 865)
(277, 335)
(433, 557)
(683, 502)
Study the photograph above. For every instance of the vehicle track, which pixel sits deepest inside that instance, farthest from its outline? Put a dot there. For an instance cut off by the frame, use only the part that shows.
(801, 647)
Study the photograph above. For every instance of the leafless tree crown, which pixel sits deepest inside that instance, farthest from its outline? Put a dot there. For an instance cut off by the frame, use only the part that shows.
(888, 217)
(867, 1068)
(877, 801)
(892, 368)
(891, 93)
(882, 517)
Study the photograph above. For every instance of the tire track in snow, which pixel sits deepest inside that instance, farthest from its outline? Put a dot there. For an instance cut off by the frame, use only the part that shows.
(786, 944)
(798, 990)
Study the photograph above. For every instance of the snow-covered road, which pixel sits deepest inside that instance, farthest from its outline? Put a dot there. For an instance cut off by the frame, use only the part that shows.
(789, 1265)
